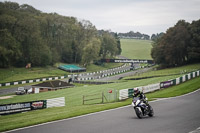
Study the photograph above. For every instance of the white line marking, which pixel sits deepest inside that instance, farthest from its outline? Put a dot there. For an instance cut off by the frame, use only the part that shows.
(95, 113)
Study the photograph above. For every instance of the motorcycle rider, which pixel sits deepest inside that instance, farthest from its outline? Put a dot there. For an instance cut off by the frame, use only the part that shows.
(140, 94)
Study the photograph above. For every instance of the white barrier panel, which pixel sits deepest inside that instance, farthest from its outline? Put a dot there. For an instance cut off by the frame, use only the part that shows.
(194, 74)
(197, 73)
(150, 88)
(15, 83)
(7, 84)
(189, 77)
(177, 81)
(56, 102)
(123, 94)
(184, 78)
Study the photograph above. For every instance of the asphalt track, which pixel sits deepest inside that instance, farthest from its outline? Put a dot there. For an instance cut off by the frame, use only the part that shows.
(173, 115)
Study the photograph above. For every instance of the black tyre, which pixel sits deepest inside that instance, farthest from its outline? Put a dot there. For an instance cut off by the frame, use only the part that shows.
(138, 113)
(151, 112)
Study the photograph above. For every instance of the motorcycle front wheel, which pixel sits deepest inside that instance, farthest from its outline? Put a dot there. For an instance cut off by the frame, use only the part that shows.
(151, 112)
(138, 113)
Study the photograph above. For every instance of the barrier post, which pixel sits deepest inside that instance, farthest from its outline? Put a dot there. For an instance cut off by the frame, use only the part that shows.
(102, 97)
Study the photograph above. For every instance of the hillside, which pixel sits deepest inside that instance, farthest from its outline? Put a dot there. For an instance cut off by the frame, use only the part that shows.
(136, 49)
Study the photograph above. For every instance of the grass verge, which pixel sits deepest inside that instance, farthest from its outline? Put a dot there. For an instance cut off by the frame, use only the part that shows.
(75, 108)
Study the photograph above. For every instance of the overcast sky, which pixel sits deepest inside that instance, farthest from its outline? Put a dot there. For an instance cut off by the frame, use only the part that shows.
(145, 16)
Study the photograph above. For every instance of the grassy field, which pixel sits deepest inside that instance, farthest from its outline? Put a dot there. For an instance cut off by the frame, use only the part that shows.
(74, 105)
(136, 49)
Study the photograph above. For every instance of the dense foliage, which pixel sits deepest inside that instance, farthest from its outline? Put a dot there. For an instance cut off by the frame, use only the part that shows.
(29, 36)
(178, 46)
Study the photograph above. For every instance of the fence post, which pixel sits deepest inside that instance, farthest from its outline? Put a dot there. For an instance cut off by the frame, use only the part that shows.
(102, 97)
(83, 99)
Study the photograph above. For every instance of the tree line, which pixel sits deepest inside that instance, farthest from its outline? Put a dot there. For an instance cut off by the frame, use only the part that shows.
(134, 35)
(28, 35)
(180, 45)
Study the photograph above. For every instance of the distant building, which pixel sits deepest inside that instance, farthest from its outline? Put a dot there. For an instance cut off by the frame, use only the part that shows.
(50, 86)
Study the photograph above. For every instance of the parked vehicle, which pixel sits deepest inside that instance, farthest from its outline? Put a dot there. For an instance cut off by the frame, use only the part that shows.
(20, 91)
(30, 91)
(142, 109)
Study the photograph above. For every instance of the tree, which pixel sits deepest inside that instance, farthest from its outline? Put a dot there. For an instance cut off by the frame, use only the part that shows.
(194, 46)
(171, 49)
(154, 37)
(91, 51)
(118, 44)
(9, 49)
(108, 45)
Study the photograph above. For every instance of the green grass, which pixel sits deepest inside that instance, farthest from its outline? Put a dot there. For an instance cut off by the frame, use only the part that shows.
(16, 74)
(74, 105)
(136, 49)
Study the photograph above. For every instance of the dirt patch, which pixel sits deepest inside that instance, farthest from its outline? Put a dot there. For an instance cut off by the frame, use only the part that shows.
(7, 97)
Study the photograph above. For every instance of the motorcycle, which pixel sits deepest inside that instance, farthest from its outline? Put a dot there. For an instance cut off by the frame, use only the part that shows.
(142, 109)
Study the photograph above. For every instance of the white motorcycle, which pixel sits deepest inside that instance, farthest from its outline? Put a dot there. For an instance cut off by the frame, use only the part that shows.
(142, 109)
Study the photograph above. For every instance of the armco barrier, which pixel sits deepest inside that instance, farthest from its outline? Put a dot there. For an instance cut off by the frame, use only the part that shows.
(127, 93)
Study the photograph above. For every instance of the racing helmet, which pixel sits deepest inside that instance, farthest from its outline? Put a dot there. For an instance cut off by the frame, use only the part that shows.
(135, 91)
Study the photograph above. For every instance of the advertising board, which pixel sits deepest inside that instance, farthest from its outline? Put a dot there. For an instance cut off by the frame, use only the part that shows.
(166, 84)
(21, 107)
(127, 61)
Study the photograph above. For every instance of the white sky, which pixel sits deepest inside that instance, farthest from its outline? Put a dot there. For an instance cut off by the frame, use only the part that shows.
(145, 16)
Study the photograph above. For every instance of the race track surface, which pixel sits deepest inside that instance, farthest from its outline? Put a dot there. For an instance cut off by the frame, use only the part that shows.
(174, 115)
